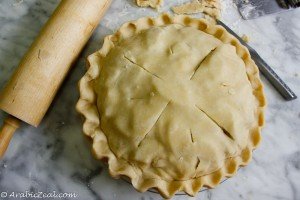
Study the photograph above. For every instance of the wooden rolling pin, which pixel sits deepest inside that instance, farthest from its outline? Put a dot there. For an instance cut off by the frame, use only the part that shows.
(30, 91)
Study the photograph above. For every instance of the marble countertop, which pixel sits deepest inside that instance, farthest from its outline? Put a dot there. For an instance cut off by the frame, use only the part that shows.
(56, 156)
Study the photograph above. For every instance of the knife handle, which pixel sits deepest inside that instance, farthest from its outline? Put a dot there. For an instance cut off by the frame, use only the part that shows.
(273, 78)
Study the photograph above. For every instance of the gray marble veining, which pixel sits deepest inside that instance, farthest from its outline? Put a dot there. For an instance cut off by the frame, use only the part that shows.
(56, 155)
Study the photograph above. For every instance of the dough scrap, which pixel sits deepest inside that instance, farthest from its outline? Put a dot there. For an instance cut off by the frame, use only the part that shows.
(149, 3)
(246, 38)
(209, 7)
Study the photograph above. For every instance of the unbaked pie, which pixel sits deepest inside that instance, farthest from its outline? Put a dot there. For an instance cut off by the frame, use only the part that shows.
(172, 103)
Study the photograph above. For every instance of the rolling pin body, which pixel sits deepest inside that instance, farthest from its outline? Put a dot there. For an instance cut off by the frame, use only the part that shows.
(31, 89)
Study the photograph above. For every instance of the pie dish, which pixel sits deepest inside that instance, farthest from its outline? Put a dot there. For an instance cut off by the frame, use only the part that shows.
(172, 103)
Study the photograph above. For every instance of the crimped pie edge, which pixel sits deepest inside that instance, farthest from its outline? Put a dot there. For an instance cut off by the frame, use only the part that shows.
(87, 106)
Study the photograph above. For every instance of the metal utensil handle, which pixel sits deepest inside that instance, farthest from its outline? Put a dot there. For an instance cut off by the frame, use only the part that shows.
(273, 78)
(265, 69)
(294, 3)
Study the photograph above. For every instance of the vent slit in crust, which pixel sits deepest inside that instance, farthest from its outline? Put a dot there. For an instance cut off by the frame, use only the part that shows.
(197, 163)
(215, 122)
(160, 114)
(192, 137)
(198, 66)
(143, 68)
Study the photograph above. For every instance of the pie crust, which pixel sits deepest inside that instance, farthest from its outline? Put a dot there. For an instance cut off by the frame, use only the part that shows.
(182, 124)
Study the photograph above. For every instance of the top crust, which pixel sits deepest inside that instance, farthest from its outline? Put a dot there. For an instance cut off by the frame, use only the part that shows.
(174, 103)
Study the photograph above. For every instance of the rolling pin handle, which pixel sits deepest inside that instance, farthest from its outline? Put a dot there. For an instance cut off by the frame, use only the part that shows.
(10, 125)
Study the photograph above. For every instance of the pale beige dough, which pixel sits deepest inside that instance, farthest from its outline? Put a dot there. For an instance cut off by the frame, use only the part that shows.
(165, 83)
(149, 3)
(209, 7)
(246, 38)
